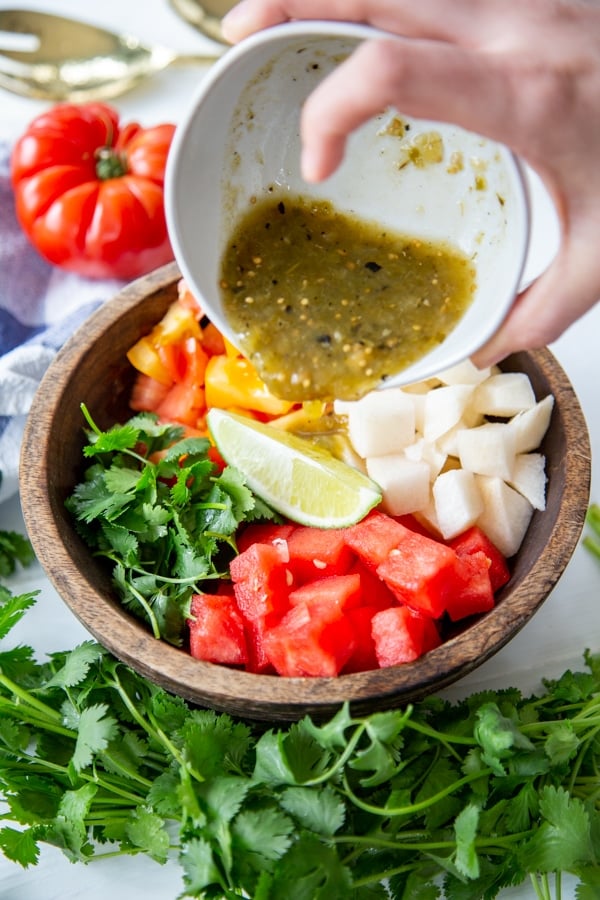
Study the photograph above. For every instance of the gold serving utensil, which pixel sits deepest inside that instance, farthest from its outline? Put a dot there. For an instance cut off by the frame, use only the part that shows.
(67, 59)
(205, 16)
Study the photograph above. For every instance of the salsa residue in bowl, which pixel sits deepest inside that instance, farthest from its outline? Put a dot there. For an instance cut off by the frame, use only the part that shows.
(328, 305)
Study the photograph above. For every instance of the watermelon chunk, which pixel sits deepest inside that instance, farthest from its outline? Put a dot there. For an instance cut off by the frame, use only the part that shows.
(421, 572)
(375, 592)
(401, 635)
(473, 592)
(374, 537)
(474, 540)
(317, 552)
(216, 629)
(364, 657)
(310, 642)
(341, 591)
(260, 583)
(262, 533)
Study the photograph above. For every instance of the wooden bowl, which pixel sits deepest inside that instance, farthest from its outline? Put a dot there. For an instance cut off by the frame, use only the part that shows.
(92, 367)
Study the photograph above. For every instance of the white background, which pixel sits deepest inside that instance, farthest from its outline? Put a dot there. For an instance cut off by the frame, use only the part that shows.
(554, 640)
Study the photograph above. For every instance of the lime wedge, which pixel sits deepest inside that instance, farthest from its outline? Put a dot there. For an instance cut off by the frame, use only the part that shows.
(297, 479)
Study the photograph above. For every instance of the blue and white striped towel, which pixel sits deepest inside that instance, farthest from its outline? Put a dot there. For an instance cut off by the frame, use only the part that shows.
(40, 307)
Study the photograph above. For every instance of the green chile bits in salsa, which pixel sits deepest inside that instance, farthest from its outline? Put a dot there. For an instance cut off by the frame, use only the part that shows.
(326, 305)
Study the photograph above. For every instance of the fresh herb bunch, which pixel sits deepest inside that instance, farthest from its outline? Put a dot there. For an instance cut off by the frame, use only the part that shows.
(479, 795)
(15, 550)
(155, 504)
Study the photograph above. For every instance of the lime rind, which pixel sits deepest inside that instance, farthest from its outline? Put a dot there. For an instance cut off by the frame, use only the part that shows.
(301, 481)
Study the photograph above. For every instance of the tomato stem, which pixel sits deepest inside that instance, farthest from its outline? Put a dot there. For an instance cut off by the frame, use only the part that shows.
(110, 163)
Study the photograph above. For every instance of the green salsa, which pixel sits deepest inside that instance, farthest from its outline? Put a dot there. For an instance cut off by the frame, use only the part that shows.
(329, 306)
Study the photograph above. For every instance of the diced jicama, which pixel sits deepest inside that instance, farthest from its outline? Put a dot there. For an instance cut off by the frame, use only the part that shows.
(458, 502)
(405, 483)
(506, 514)
(448, 443)
(529, 478)
(488, 449)
(444, 408)
(464, 372)
(504, 394)
(382, 422)
(530, 426)
(427, 452)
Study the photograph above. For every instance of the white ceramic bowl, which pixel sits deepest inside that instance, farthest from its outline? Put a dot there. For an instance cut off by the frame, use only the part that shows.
(240, 140)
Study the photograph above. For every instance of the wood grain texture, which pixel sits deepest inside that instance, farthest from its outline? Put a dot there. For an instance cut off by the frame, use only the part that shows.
(92, 368)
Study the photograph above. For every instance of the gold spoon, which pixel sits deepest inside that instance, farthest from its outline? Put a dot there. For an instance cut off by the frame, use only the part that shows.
(72, 60)
(205, 16)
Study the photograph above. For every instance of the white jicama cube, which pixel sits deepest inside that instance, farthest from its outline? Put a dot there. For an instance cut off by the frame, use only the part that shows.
(488, 449)
(381, 422)
(504, 394)
(428, 518)
(404, 483)
(458, 502)
(419, 401)
(529, 478)
(506, 514)
(531, 425)
(444, 408)
(448, 442)
(464, 372)
(429, 453)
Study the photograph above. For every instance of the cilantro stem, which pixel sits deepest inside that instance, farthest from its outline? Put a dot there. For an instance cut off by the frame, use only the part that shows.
(23, 714)
(412, 808)
(152, 729)
(30, 700)
(446, 739)
(340, 761)
(152, 620)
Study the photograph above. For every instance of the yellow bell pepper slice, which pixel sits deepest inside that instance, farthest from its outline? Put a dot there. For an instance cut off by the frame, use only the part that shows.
(232, 382)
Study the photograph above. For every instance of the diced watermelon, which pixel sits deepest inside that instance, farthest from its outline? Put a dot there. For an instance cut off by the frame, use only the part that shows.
(375, 592)
(374, 537)
(310, 642)
(317, 552)
(401, 635)
(343, 591)
(216, 630)
(262, 533)
(258, 662)
(421, 572)
(473, 591)
(474, 540)
(410, 521)
(363, 658)
(260, 583)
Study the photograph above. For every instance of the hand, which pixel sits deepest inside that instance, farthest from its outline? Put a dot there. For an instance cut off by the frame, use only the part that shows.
(522, 72)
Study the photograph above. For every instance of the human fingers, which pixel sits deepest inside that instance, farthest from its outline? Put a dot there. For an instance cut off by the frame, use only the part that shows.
(568, 289)
(467, 22)
(460, 87)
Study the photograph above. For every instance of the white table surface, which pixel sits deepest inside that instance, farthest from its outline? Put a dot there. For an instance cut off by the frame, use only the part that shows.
(554, 640)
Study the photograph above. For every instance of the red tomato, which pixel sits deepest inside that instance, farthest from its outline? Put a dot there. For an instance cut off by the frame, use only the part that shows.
(90, 194)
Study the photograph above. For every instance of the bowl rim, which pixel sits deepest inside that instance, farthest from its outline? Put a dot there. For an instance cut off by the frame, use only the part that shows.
(271, 697)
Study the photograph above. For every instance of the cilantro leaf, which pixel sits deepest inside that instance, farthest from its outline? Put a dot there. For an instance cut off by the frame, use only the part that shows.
(95, 730)
(13, 607)
(20, 846)
(147, 831)
(563, 839)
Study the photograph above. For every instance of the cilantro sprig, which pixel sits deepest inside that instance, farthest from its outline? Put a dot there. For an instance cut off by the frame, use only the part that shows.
(154, 504)
(463, 798)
